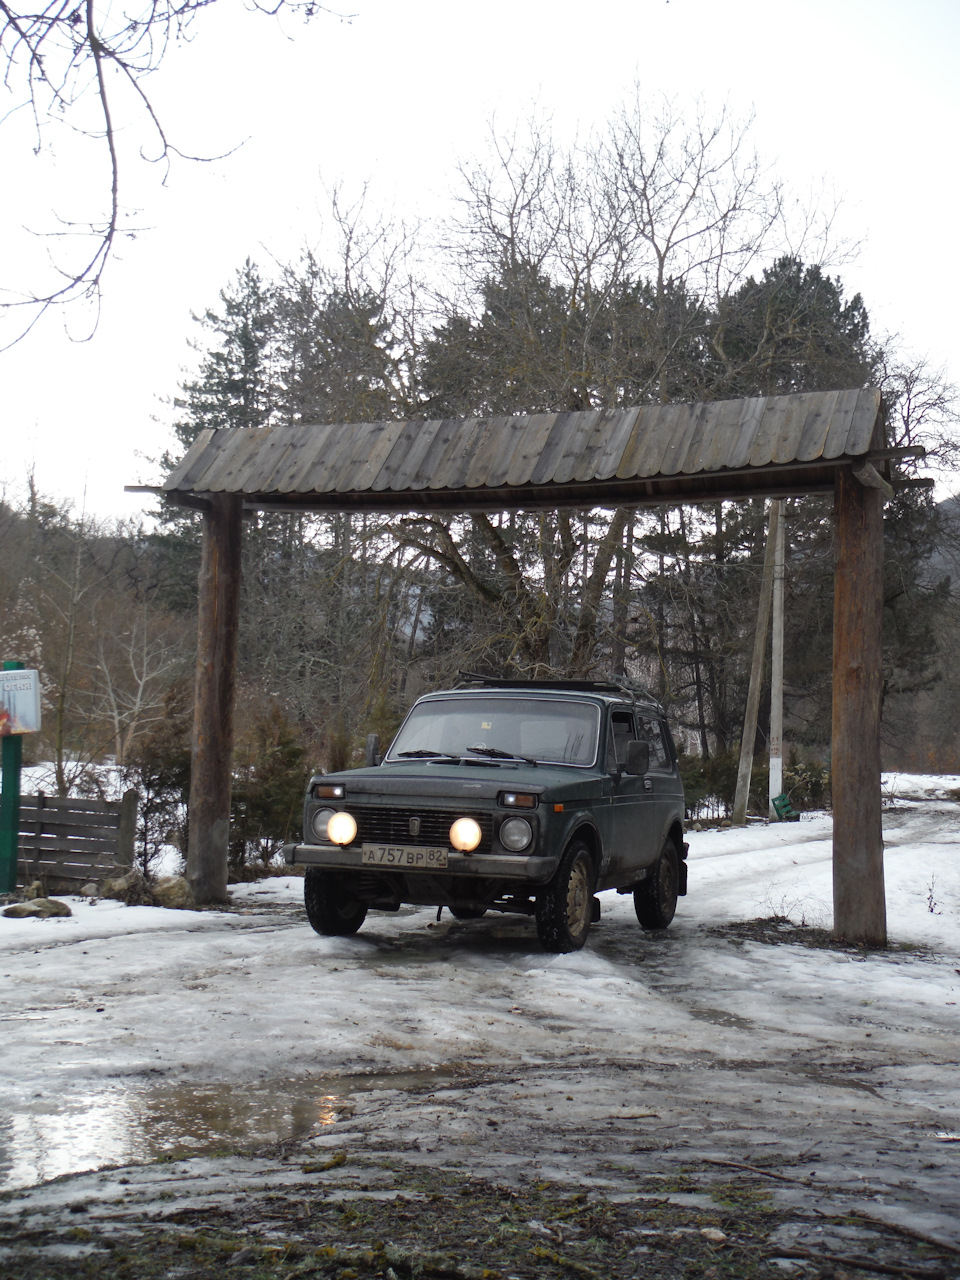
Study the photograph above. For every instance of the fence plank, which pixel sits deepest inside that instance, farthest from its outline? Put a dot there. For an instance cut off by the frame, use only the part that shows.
(70, 844)
(72, 804)
(41, 827)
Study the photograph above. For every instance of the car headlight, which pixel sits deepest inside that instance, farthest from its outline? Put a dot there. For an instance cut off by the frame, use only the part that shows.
(465, 834)
(515, 834)
(319, 822)
(342, 828)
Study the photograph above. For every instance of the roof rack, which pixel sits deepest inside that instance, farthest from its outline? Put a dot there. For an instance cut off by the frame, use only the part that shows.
(613, 685)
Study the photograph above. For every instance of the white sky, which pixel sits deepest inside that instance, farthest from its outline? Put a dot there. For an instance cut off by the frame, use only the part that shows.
(860, 93)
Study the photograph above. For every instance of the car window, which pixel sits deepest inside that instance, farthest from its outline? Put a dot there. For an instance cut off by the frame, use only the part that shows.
(621, 735)
(551, 730)
(650, 731)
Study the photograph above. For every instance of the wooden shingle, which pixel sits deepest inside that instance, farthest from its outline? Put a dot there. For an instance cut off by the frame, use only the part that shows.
(651, 453)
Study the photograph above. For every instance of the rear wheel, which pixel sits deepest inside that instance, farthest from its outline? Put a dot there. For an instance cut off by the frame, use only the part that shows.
(655, 901)
(565, 907)
(331, 909)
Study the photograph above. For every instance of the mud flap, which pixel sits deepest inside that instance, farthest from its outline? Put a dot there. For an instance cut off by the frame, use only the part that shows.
(682, 881)
(594, 910)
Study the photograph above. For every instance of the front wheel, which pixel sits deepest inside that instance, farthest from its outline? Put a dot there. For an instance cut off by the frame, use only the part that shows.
(655, 901)
(565, 907)
(331, 909)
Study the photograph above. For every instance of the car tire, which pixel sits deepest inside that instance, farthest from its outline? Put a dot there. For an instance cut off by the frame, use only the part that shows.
(468, 913)
(655, 901)
(331, 909)
(565, 907)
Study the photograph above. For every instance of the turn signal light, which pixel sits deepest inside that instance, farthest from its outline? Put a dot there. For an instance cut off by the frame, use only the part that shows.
(517, 800)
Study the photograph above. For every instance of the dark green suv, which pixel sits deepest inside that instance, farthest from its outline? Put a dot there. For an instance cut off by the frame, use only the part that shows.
(505, 796)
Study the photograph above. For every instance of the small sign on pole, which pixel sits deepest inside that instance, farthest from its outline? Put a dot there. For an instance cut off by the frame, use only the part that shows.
(19, 714)
(19, 701)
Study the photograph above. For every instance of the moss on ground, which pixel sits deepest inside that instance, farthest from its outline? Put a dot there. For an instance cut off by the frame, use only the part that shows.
(444, 1226)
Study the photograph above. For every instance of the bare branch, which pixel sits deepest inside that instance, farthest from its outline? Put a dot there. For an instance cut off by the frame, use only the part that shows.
(55, 59)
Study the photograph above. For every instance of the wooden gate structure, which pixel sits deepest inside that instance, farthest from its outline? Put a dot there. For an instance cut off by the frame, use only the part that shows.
(769, 446)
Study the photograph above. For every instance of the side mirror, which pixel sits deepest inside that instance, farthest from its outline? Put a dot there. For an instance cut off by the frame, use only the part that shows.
(372, 751)
(638, 758)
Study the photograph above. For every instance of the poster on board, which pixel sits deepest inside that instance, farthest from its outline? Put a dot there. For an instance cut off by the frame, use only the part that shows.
(19, 702)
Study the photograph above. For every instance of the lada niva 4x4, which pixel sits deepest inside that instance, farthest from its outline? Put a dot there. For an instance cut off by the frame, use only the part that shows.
(504, 796)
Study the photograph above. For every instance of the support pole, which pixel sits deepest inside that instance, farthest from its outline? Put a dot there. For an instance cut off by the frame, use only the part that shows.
(776, 665)
(212, 757)
(756, 674)
(11, 751)
(859, 908)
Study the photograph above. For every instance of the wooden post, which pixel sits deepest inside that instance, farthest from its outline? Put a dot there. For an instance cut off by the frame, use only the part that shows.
(212, 760)
(127, 830)
(775, 786)
(745, 768)
(11, 759)
(859, 908)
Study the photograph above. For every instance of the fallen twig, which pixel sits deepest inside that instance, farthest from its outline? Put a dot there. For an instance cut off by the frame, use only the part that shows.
(559, 1260)
(910, 1232)
(766, 1173)
(862, 1264)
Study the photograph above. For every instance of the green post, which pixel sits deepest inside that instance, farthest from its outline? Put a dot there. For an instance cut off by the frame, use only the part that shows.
(12, 755)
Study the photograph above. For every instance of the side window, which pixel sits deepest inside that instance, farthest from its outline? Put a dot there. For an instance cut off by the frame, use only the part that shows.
(621, 735)
(651, 732)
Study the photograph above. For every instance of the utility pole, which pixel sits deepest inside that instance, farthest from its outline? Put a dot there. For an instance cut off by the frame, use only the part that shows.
(776, 663)
(756, 673)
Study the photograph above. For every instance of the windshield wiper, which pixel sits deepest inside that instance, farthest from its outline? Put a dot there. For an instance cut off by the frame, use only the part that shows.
(496, 754)
(424, 753)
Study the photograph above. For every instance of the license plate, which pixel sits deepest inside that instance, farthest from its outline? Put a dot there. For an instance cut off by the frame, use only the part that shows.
(403, 855)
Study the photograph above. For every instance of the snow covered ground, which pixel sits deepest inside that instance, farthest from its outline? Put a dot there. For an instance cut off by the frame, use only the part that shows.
(130, 1032)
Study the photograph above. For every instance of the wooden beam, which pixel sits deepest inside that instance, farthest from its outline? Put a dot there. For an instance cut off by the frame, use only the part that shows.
(859, 908)
(219, 612)
(868, 475)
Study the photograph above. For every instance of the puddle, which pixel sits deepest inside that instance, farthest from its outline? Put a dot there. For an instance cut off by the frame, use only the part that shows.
(47, 1137)
(721, 1018)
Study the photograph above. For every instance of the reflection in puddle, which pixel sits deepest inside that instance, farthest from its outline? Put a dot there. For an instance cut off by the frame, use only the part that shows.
(42, 1138)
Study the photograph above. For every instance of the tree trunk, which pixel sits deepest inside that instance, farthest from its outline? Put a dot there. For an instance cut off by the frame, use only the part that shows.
(219, 612)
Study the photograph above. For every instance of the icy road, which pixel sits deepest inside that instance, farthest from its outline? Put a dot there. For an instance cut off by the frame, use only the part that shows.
(130, 1032)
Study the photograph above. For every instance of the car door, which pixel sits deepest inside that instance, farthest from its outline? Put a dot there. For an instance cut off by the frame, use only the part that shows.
(634, 835)
(662, 786)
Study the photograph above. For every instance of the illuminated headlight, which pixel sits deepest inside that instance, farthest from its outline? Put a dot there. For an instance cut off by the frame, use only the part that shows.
(465, 834)
(342, 828)
(319, 822)
(516, 834)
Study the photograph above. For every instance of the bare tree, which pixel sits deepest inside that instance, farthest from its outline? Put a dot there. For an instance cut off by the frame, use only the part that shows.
(69, 66)
(136, 656)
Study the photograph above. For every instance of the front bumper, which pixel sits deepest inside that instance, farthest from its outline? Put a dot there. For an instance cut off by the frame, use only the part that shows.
(536, 870)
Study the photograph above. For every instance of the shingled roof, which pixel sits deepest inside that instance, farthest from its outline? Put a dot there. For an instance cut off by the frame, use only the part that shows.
(652, 454)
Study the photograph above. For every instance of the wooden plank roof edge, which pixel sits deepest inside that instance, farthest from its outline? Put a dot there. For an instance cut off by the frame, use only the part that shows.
(214, 437)
(215, 461)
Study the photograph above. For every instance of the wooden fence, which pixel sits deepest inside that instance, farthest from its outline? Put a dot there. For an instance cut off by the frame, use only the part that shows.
(69, 842)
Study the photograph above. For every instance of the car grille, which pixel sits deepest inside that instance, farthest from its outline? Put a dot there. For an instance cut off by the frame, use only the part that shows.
(384, 825)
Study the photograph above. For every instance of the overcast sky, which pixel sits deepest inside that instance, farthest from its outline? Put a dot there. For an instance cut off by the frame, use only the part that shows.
(861, 94)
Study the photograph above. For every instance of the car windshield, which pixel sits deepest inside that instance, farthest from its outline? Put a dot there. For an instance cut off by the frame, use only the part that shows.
(551, 730)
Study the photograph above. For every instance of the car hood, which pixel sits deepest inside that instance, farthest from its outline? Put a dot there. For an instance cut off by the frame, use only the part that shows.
(446, 781)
